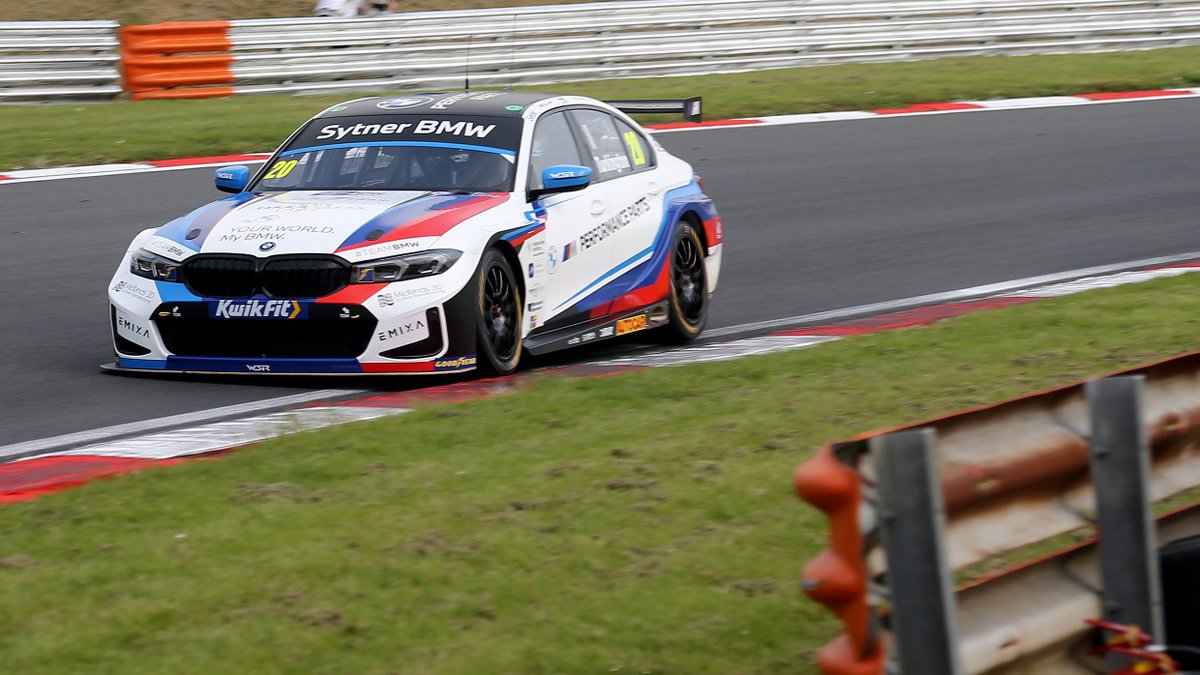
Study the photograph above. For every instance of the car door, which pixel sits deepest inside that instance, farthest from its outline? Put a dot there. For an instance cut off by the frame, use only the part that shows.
(575, 259)
(623, 160)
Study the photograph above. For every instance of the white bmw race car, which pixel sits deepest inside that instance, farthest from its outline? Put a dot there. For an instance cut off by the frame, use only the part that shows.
(424, 234)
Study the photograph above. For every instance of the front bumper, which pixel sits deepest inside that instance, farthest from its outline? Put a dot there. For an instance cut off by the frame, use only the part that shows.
(420, 326)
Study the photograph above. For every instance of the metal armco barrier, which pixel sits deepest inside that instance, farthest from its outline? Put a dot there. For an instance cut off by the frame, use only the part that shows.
(536, 45)
(1010, 475)
(54, 60)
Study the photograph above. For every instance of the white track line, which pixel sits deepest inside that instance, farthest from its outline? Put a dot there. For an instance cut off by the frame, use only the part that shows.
(984, 106)
(231, 433)
(765, 344)
(67, 441)
(717, 351)
(1001, 287)
(101, 170)
(1103, 281)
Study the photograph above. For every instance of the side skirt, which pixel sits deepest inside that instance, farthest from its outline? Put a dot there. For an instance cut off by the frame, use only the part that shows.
(602, 328)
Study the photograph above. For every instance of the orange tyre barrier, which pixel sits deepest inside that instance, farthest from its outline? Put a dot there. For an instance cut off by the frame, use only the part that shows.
(837, 577)
(159, 57)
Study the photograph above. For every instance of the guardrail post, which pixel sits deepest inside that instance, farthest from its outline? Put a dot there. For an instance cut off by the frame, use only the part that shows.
(1120, 464)
(913, 523)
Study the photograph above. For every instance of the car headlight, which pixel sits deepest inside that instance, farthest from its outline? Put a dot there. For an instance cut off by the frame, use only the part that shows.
(153, 266)
(404, 267)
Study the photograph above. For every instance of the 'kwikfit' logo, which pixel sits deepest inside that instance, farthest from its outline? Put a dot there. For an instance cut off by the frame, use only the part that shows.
(256, 309)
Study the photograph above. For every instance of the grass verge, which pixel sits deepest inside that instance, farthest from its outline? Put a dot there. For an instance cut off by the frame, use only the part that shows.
(52, 135)
(639, 523)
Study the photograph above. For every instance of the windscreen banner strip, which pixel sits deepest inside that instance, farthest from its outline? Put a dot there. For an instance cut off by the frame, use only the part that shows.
(413, 144)
(458, 131)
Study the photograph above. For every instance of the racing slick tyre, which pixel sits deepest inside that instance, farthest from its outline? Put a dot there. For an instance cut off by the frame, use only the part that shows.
(499, 315)
(689, 285)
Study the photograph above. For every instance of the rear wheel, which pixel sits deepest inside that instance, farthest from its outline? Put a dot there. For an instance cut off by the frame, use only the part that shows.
(689, 285)
(499, 315)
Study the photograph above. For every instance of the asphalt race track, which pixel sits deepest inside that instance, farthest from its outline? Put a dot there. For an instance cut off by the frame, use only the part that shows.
(817, 217)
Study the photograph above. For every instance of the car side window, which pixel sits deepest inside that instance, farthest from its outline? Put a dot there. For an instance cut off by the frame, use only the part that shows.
(641, 153)
(552, 144)
(603, 143)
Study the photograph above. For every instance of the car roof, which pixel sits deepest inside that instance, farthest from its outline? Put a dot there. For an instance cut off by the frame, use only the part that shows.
(484, 103)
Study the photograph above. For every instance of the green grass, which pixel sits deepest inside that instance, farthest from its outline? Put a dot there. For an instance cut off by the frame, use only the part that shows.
(634, 523)
(53, 135)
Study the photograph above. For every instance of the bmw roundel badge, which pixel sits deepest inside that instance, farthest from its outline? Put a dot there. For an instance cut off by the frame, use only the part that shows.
(407, 102)
(266, 246)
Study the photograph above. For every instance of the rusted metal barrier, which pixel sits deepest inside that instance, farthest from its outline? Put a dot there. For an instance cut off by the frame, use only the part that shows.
(1011, 474)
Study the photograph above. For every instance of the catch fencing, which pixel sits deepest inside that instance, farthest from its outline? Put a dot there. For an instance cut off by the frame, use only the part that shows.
(538, 45)
(909, 507)
(43, 60)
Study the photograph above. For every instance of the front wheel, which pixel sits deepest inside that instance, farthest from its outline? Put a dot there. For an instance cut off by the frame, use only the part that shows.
(689, 285)
(498, 314)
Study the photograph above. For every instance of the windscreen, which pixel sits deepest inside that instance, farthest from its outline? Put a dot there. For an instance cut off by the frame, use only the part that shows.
(399, 152)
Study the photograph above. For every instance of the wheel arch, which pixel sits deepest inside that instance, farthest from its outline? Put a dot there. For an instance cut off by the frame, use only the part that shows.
(514, 262)
(486, 359)
(693, 218)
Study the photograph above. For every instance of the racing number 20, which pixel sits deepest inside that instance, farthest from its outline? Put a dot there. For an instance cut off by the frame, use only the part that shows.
(635, 148)
(281, 169)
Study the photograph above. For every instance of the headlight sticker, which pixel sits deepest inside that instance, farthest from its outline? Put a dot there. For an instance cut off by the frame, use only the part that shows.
(387, 248)
(135, 291)
(392, 297)
(168, 248)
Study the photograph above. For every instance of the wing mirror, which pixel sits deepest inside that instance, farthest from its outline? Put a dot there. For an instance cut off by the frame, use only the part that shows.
(562, 178)
(232, 178)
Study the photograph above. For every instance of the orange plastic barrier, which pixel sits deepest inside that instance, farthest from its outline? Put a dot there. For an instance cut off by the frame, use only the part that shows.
(837, 577)
(158, 58)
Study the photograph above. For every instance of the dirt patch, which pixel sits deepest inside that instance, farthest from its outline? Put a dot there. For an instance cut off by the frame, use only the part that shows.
(561, 470)
(773, 446)
(287, 491)
(629, 484)
(18, 561)
(321, 618)
(377, 467)
(753, 587)
(537, 504)
(439, 544)
(257, 612)
(644, 562)
(1041, 358)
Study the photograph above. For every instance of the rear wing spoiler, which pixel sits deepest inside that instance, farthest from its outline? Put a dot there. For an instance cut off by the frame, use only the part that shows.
(689, 108)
